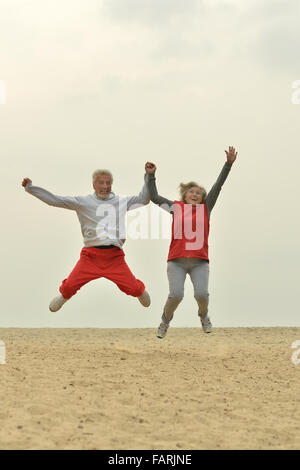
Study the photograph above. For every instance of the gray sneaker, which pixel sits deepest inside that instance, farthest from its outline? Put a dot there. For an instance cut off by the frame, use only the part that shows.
(206, 324)
(57, 303)
(162, 330)
(145, 299)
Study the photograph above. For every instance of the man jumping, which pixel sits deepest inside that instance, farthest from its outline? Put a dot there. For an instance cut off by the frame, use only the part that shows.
(102, 219)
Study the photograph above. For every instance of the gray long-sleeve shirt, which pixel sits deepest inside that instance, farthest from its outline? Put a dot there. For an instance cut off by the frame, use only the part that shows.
(209, 201)
(102, 220)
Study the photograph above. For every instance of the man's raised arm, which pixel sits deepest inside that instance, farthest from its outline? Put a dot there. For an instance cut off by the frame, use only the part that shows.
(49, 198)
(133, 202)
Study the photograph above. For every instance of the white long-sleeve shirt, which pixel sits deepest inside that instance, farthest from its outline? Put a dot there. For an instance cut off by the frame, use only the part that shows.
(102, 220)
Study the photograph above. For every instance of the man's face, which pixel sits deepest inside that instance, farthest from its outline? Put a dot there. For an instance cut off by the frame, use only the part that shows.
(102, 186)
(193, 195)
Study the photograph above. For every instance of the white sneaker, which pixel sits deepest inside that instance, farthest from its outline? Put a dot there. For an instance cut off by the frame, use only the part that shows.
(162, 330)
(57, 303)
(206, 324)
(145, 299)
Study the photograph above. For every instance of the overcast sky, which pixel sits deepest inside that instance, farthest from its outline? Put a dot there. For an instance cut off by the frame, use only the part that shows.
(114, 83)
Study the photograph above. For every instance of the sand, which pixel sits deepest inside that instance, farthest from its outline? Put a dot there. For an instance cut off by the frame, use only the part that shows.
(236, 388)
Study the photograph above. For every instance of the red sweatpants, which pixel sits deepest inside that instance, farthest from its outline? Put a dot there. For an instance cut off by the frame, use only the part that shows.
(108, 263)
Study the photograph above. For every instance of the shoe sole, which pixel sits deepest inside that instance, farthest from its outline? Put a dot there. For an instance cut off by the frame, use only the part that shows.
(161, 336)
(145, 305)
(207, 332)
(53, 311)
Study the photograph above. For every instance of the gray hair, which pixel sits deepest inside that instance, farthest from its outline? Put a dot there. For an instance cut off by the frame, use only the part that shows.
(184, 187)
(102, 172)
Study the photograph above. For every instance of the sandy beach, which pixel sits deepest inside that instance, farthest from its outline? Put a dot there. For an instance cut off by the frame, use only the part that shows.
(236, 388)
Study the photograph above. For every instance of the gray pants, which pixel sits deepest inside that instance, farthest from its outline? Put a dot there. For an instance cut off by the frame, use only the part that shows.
(178, 268)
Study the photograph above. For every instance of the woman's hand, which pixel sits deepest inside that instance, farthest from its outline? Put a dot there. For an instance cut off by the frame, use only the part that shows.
(150, 168)
(231, 154)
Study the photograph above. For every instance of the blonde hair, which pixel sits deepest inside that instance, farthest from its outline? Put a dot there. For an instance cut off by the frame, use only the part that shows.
(184, 187)
(102, 172)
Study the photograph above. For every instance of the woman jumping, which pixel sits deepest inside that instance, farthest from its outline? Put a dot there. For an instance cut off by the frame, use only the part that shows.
(188, 253)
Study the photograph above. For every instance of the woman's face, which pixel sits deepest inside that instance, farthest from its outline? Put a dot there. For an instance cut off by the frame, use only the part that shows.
(193, 195)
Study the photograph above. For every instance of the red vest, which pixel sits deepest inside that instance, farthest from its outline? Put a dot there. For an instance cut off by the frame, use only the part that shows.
(190, 230)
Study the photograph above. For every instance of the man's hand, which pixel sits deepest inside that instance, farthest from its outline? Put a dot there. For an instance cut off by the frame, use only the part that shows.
(25, 181)
(150, 168)
(231, 154)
